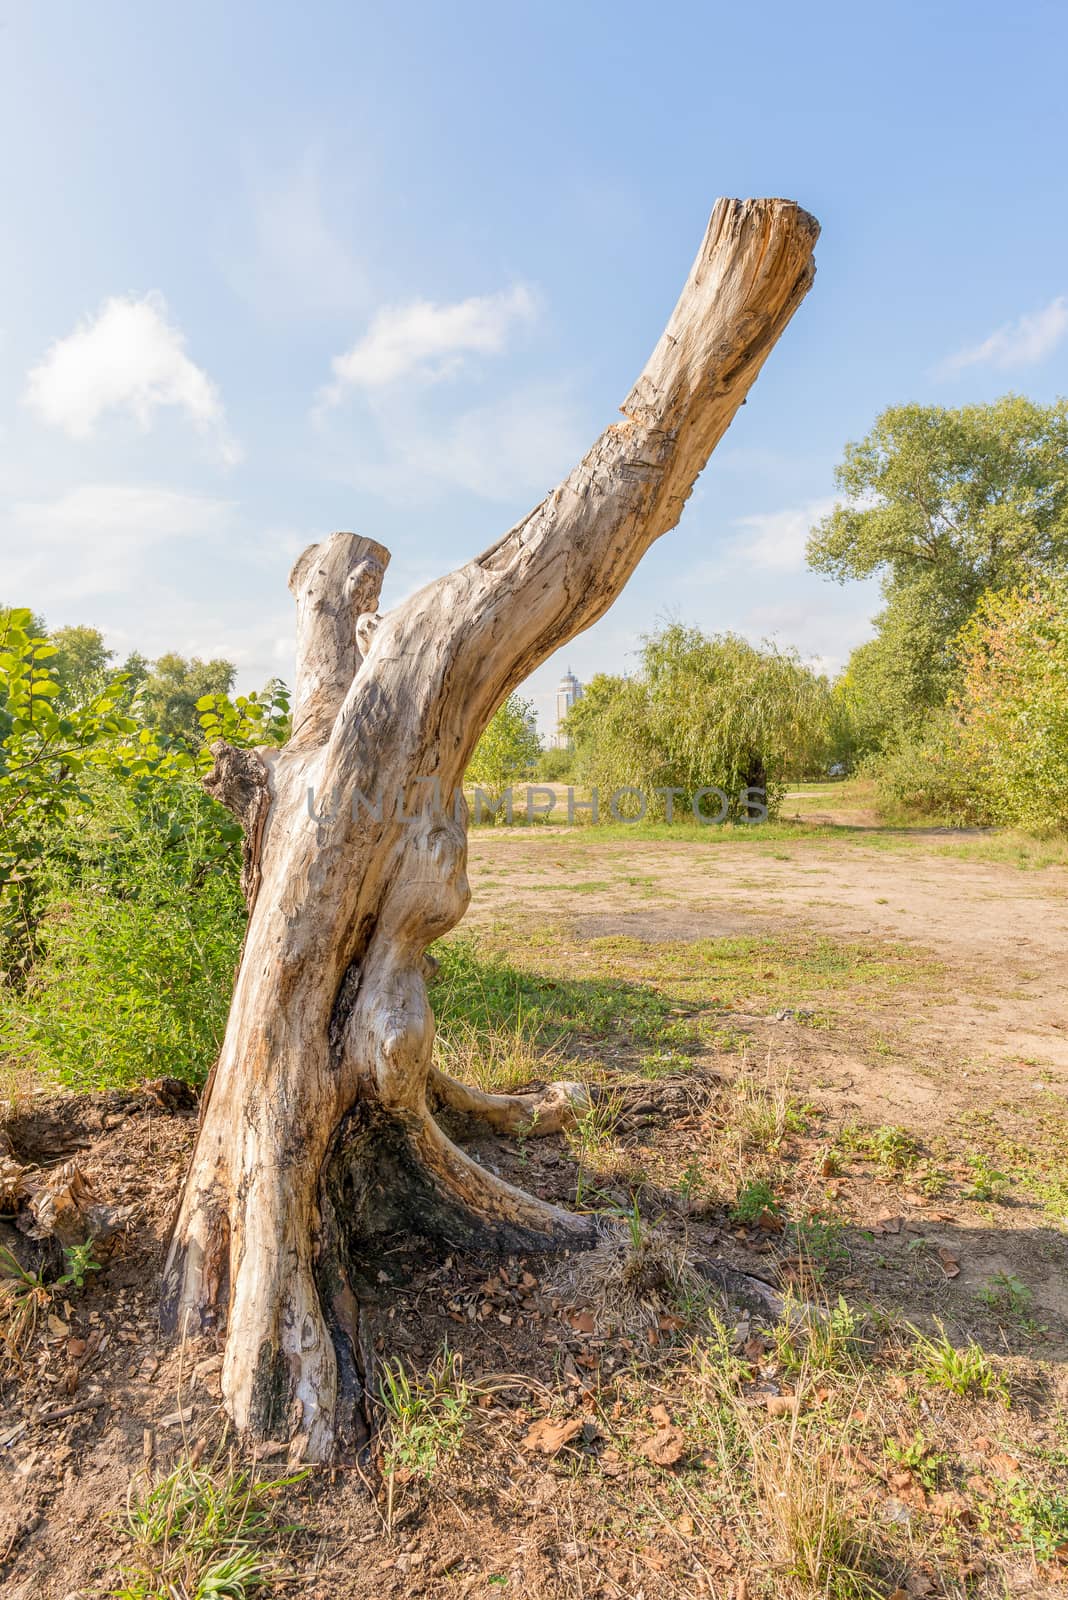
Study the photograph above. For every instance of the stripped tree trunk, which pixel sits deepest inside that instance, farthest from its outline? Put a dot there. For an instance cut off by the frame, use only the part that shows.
(317, 1131)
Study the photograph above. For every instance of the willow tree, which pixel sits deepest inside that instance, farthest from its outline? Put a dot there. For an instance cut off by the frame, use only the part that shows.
(317, 1131)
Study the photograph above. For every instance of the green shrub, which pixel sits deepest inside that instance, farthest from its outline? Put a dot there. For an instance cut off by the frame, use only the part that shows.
(704, 712)
(1013, 706)
(140, 923)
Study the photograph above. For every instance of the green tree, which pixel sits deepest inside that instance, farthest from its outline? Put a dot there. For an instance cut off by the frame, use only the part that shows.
(173, 686)
(82, 662)
(1013, 705)
(704, 712)
(944, 506)
(509, 747)
(46, 750)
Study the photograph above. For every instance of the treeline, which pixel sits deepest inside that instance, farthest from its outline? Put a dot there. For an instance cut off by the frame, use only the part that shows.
(120, 907)
(704, 712)
(959, 706)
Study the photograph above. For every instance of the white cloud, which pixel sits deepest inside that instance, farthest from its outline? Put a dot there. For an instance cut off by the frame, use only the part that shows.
(131, 358)
(1022, 343)
(425, 340)
(94, 539)
(775, 541)
(519, 446)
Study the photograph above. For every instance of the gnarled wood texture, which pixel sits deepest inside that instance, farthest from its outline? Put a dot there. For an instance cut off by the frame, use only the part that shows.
(317, 1131)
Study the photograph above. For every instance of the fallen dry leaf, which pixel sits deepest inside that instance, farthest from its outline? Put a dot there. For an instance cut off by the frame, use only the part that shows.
(548, 1437)
(664, 1447)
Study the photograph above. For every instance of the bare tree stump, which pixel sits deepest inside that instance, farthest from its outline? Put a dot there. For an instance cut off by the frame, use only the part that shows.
(316, 1133)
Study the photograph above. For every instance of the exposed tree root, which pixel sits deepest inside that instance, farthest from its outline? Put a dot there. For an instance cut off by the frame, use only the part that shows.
(548, 1110)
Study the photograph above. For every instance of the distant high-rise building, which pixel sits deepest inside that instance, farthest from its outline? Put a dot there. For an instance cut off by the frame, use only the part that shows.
(569, 691)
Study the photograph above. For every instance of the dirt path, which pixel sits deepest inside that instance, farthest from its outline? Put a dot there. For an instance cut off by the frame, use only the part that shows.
(1002, 933)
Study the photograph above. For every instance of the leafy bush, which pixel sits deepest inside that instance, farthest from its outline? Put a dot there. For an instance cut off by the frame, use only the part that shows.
(924, 775)
(998, 753)
(140, 922)
(508, 748)
(704, 713)
(1013, 705)
(120, 908)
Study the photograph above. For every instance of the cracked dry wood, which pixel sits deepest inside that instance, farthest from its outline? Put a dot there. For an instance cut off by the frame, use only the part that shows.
(317, 1132)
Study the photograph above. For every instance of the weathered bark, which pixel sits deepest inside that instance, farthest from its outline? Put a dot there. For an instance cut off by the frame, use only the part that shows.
(316, 1133)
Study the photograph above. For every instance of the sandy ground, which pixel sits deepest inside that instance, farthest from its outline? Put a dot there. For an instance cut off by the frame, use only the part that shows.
(1002, 932)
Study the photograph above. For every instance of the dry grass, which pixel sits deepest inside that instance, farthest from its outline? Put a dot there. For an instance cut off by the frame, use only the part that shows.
(635, 1276)
(24, 1300)
(788, 1480)
(501, 1057)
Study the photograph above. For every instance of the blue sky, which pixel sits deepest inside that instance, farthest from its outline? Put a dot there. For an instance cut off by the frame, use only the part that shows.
(271, 270)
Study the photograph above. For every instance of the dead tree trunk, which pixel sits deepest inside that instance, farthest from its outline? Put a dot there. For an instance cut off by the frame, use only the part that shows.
(317, 1132)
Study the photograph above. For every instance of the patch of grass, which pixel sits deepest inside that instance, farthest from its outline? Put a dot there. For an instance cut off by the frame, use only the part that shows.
(499, 1057)
(592, 1137)
(918, 1456)
(819, 1339)
(203, 1533)
(892, 1148)
(987, 1183)
(791, 1494)
(753, 1200)
(425, 1417)
(763, 1111)
(24, 1299)
(484, 987)
(25, 1296)
(1006, 1293)
(1042, 1517)
(819, 1243)
(964, 1370)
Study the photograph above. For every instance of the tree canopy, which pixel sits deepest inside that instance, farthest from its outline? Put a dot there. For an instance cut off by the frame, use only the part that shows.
(945, 506)
(704, 711)
(508, 748)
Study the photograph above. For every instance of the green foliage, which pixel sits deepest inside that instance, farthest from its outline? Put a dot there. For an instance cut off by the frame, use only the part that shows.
(426, 1417)
(921, 773)
(172, 691)
(919, 1457)
(964, 1371)
(1013, 705)
(946, 506)
(140, 922)
(818, 1339)
(1042, 1515)
(1005, 1292)
(81, 663)
(554, 765)
(251, 719)
(47, 750)
(705, 712)
(893, 1148)
(120, 909)
(508, 749)
(998, 752)
(204, 1534)
(753, 1200)
(977, 496)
